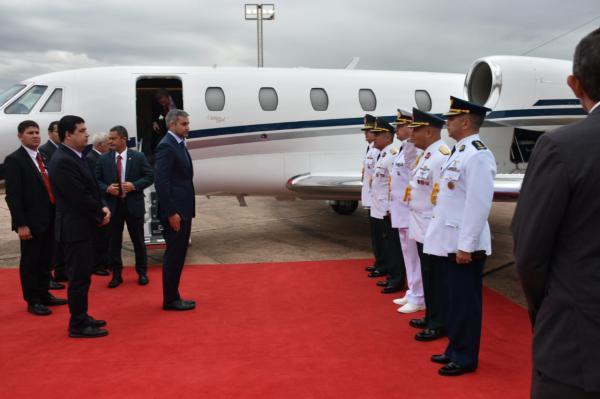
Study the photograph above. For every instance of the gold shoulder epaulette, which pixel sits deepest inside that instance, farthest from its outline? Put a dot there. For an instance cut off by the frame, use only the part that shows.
(394, 151)
(444, 150)
(479, 145)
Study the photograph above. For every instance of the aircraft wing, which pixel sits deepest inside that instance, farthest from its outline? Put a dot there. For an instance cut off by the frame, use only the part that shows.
(345, 186)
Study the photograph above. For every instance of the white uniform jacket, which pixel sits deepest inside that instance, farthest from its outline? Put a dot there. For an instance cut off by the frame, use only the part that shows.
(464, 201)
(380, 182)
(420, 193)
(368, 170)
(402, 167)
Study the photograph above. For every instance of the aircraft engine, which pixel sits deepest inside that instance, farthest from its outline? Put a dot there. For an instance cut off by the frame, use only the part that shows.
(518, 83)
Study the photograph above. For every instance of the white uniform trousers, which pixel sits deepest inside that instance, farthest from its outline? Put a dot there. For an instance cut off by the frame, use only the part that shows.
(415, 293)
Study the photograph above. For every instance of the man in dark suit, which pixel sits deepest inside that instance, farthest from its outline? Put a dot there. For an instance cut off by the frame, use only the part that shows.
(122, 175)
(58, 261)
(176, 204)
(555, 230)
(31, 202)
(79, 212)
(162, 104)
(51, 145)
(101, 259)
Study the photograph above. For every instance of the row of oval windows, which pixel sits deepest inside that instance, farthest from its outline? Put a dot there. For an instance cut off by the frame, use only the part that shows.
(215, 100)
(268, 99)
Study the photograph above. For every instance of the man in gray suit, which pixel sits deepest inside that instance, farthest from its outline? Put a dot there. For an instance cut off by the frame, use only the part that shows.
(555, 229)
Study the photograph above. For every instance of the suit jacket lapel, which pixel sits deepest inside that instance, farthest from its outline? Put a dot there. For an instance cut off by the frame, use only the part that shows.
(128, 165)
(33, 168)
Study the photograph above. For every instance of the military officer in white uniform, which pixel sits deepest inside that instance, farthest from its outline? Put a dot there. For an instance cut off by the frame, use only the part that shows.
(421, 195)
(365, 197)
(380, 206)
(402, 168)
(459, 233)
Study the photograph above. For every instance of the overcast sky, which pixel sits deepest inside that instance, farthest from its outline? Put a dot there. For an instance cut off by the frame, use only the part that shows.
(40, 36)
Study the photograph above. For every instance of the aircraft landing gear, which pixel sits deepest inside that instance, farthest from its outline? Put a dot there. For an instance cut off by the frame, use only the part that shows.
(344, 207)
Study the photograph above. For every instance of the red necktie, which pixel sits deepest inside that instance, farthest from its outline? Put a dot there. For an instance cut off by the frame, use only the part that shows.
(45, 177)
(119, 173)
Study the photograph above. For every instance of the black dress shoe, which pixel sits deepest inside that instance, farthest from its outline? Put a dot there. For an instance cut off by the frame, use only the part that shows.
(115, 281)
(51, 300)
(101, 272)
(377, 273)
(95, 322)
(60, 277)
(390, 288)
(370, 268)
(418, 323)
(143, 279)
(452, 370)
(38, 309)
(179, 305)
(441, 359)
(429, 334)
(190, 301)
(382, 283)
(87, 332)
(53, 285)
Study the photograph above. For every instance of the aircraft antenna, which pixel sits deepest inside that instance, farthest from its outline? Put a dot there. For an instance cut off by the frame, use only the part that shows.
(561, 35)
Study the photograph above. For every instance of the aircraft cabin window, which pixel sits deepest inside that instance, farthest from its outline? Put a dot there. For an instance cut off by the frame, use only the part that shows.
(54, 103)
(423, 100)
(215, 99)
(319, 99)
(267, 96)
(367, 99)
(9, 93)
(27, 101)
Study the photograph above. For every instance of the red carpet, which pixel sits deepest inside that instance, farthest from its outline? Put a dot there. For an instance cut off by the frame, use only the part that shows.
(281, 330)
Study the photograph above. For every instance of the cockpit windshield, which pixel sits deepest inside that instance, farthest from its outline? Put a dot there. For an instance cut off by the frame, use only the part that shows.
(9, 93)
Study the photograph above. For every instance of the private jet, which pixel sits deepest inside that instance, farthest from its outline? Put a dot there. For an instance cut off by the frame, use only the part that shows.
(294, 133)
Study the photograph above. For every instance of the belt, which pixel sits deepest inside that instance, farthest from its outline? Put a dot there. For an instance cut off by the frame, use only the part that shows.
(477, 255)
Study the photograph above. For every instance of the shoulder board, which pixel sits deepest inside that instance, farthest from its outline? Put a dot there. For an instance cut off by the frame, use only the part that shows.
(394, 151)
(444, 150)
(479, 145)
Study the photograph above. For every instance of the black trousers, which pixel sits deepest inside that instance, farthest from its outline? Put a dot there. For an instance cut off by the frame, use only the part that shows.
(463, 310)
(394, 259)
(434, 275)
(174, 258)
(79, 269)
(544, 387)
(135, 226)
(58, 259)
(377, 243)
(102, 254)
(35, 265)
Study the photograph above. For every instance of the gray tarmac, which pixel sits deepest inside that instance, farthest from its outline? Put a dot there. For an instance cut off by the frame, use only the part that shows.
(268, 230)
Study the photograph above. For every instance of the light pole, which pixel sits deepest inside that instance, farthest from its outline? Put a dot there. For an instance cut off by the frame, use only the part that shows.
(259, 12)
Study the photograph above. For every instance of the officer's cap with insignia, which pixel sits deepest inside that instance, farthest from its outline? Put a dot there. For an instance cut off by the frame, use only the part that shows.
(421, 118)
(369, 122)
(381, 125)
(459, 106)
(403, 118)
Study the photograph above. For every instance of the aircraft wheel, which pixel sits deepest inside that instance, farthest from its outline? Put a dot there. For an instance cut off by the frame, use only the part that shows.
(344, 207)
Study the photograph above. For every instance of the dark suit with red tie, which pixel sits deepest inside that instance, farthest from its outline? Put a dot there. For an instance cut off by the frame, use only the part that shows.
(30, 204)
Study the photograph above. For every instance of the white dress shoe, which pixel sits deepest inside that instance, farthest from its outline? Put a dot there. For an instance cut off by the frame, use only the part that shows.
(410, 308)
(401, 301)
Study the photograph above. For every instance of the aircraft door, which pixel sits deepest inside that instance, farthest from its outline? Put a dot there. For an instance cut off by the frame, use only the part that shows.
(155, 96)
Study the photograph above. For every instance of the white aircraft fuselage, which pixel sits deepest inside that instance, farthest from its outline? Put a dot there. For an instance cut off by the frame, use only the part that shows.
(245, 150)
